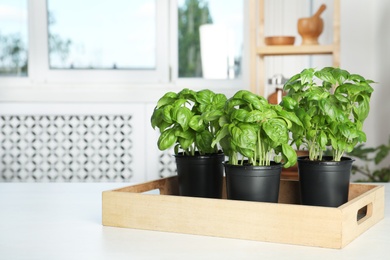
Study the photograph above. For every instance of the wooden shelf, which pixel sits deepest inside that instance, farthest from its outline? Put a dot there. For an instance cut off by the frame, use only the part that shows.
(259, 50)
(295, 50)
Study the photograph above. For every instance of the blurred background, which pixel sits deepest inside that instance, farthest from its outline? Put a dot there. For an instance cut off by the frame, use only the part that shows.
(79, 79)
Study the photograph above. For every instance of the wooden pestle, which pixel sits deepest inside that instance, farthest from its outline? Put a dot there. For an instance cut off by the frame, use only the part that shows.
(319, 11)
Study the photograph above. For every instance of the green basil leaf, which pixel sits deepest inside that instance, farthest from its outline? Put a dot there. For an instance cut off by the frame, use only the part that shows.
(182, 116)
(156, 118)
(361, 108)
(187, 94)
(348, 130)
(246, 152)
(292, 84)
(239, 94)
(317, 94)
(203, 141)
(254, 116)
(276, 130)
(330, 108)
(341, 145)
(185, 143)
(341, 97)
(307, 76)
(244, 135)
(197, 123)
(223, 120)
(240, 115)
(253, 99)
(205, 96)
(326, 75)
(219, 101)
(311, 134)
(340, 75)
(166, 114)
(333, 141)
(361, 136)
(167, 99)
(234, 102)
(289, 155)
(289, 103)
(322, 139)
(290, 116)
(222, 133)
(167, 139)
(212, 115)
(188, 134)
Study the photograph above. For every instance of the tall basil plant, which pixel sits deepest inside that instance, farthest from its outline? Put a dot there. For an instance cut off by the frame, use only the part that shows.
(255, 131)
(332, 104)
(188, 120)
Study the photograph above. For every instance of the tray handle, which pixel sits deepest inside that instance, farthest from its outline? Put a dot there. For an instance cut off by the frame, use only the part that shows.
(364, 213)
(166, 186)
(366, 209)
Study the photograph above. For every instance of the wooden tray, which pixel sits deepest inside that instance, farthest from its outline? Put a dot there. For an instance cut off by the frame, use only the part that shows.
(283, 222)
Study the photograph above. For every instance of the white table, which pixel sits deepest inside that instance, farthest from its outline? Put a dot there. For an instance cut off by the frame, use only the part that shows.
(63, 221)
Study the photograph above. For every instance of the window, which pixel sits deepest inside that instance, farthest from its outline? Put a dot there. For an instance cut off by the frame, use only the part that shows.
(13, 38)
(122, 43)
(118, 34)
(210, 39)
(97, 42)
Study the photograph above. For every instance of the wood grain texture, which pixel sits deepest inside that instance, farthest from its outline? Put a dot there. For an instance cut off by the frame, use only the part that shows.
(283, 222)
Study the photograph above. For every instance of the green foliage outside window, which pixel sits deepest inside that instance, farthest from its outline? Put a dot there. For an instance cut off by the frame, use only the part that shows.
(191, 15)
(13, 55)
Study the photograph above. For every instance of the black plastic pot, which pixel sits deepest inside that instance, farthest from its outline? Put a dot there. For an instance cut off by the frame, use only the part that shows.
(200, 175)
(324, 183)
(253, 183)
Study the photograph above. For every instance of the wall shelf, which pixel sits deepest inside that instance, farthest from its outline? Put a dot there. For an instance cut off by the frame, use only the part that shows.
(295, 50)
(259, 50)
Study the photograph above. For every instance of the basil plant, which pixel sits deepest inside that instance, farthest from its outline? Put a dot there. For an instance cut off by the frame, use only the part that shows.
(188, 120)
(255, 131)
(332, 104)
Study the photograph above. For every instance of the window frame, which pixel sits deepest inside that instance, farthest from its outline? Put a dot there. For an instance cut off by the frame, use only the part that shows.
(40, 56)
(43, 84)
(240, 82)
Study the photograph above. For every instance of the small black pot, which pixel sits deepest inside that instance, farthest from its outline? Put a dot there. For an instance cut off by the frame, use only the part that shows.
(324, 183)
(253, 183)
(200, 175)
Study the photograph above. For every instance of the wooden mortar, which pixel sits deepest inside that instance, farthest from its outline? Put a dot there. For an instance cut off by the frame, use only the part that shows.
(310, 28)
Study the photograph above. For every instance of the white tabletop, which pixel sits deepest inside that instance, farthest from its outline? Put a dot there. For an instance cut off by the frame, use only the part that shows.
(63, 221)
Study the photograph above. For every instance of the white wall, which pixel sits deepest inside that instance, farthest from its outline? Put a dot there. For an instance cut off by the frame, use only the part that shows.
(381, 103)
(365, 49)
(365, 42)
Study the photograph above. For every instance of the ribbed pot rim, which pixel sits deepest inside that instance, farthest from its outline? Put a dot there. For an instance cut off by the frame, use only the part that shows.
(273, 165)
(326, 160)
(200, 156)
